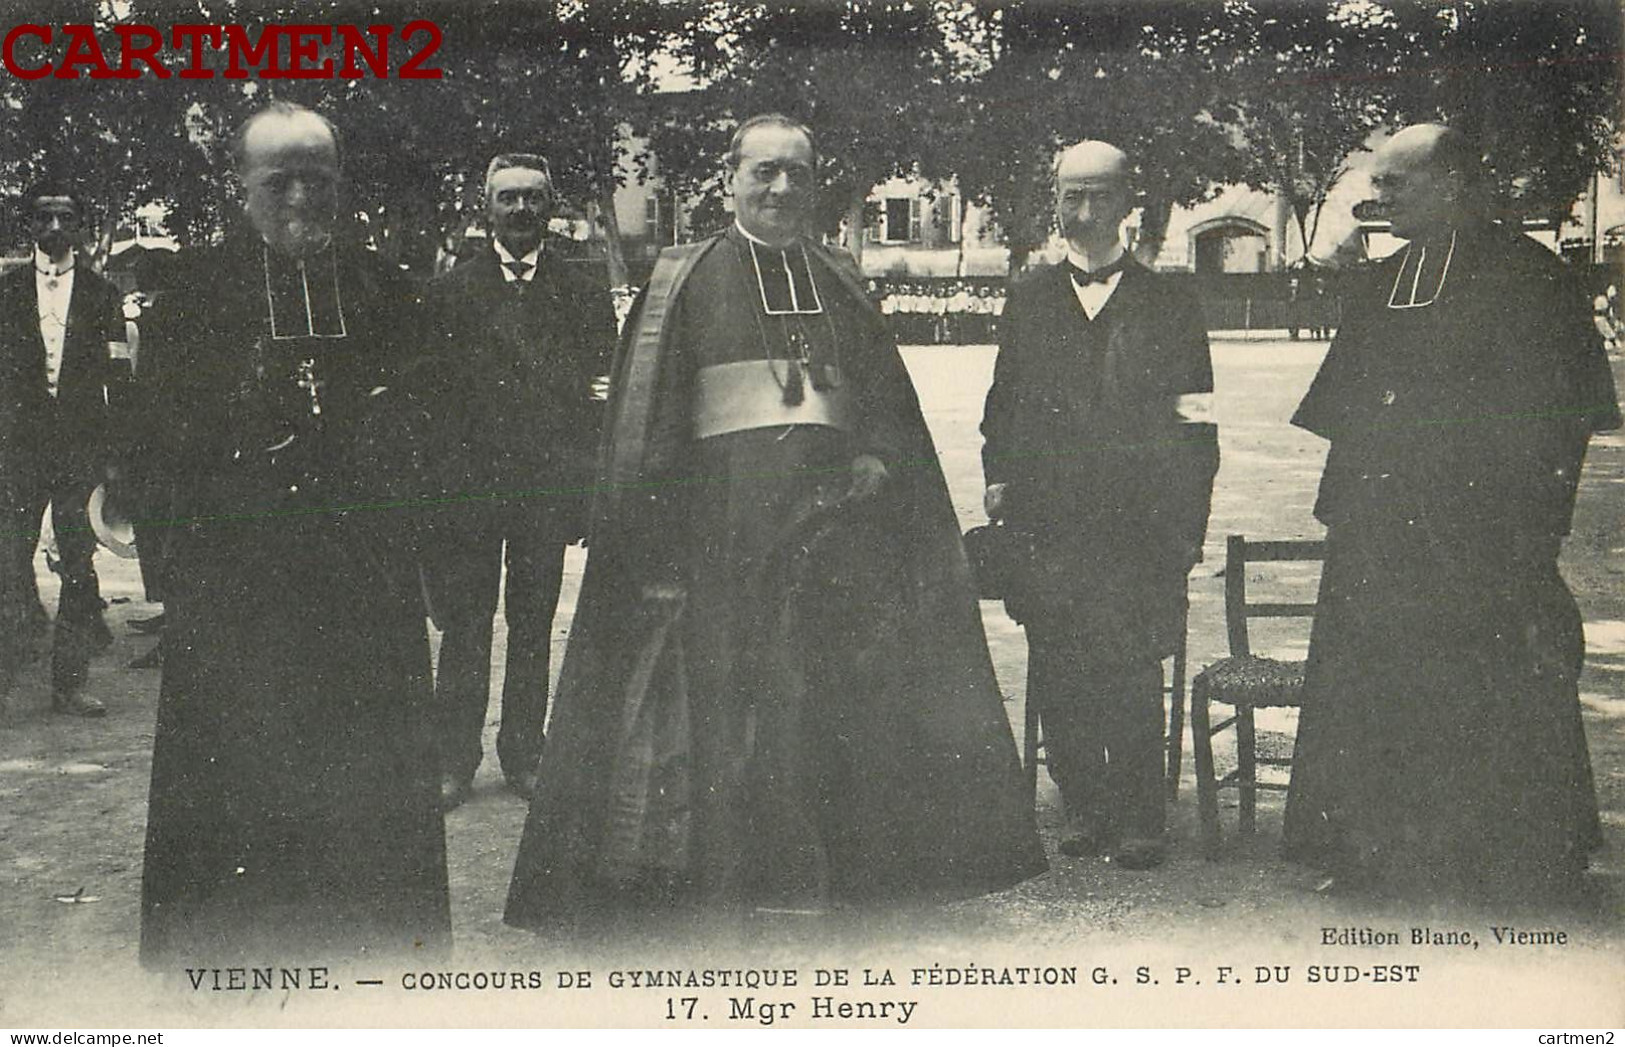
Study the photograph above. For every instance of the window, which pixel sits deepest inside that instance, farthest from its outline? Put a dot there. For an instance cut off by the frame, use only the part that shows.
(900, 220)
(651, 218)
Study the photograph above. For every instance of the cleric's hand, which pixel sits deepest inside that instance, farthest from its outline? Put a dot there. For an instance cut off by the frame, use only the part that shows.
(993, 501)
(868, 474)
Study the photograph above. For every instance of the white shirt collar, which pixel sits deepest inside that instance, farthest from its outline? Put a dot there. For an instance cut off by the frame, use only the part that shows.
(1077, 259)
(504, 256)
(1094, 296)
(753, 238)
(46, 267)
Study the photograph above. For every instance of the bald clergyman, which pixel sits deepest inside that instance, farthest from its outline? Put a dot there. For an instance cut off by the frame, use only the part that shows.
(294, 811)
(1441, 750)
(1100, 456)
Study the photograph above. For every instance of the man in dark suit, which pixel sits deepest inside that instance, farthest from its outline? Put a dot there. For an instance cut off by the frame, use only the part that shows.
(57, 319)
(1100, 459)
(520, 340)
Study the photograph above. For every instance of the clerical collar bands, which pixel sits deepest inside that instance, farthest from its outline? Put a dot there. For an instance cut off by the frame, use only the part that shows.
(295, 307)
(1410, 297)
(797, 284)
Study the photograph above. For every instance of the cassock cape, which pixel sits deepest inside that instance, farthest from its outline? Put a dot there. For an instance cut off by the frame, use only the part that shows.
(877, 695)
(294, 809)
(1440, 745)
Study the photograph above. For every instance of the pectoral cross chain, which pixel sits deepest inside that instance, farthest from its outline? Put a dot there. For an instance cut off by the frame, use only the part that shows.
(311, 384)
(800, 351)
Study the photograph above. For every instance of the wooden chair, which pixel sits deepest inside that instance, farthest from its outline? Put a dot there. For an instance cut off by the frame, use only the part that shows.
(1032, 744)
(1245, 682)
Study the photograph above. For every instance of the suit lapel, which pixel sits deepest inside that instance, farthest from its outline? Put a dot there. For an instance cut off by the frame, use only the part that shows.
(1127, 299)
(1099, 349)
(22, 308)
(487, 275)
(1066, 297)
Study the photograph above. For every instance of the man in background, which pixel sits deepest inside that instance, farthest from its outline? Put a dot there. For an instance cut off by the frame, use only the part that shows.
(57, 320)
(519, 339)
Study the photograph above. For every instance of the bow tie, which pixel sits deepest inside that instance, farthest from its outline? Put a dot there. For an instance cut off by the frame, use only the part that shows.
(519, 270)
(1085, 277)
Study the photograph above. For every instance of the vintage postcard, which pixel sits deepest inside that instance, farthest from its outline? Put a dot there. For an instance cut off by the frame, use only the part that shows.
(846, 515)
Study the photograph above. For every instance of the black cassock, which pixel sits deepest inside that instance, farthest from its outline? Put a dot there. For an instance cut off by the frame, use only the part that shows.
(817, 722)
(294, 805)
(1441, 746)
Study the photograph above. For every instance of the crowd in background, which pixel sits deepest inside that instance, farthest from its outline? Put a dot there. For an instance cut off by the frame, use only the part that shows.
(937, 312)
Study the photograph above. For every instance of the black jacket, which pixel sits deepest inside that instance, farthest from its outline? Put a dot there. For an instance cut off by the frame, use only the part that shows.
(1105, 478)
(512, 373)
(74, 428)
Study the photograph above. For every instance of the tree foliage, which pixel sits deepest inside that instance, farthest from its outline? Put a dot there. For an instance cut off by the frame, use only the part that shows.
(867, 75)
(557, 78)
(1269, 93)
(1537, 83)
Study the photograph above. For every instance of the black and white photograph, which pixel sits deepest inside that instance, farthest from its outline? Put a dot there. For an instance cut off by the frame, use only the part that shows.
(826, 514)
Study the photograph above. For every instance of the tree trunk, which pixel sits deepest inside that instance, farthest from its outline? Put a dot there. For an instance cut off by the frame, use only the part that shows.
(854, 224)
(1153, 230)
(101, 252)
(964, 209)
(614, 255)
(473, 197)
(1313, 228)
(1300, 212)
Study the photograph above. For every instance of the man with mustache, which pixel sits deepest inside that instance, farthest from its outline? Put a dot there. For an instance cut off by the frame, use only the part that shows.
(520, 340)
(1100, 457)
(294, 809)
(56, 320)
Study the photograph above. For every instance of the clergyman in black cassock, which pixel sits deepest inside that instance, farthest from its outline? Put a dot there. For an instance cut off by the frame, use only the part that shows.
(1099, 458)
(1440, 749)
(294, 810)
(776, 697)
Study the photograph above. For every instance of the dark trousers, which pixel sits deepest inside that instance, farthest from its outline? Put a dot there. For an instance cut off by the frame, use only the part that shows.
(149, 541)
(80, 604)
(465, 576)
(1102, 722)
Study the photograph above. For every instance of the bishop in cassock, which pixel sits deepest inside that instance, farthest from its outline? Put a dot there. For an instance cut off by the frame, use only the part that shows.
(294, 808)
(1440, 749)
(777, 697)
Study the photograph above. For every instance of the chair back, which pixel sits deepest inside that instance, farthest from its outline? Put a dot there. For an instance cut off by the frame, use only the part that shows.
(1239, 552)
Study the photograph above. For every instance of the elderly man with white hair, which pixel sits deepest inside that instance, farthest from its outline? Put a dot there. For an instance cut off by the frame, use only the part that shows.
(1099, 456)
(293, 809)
